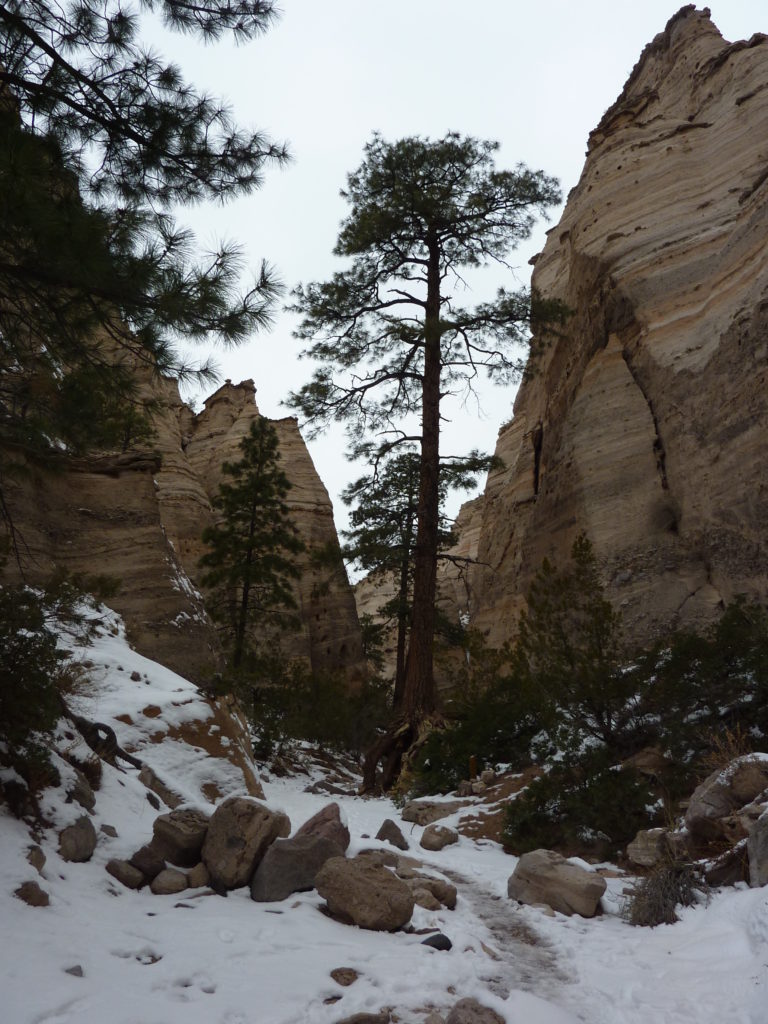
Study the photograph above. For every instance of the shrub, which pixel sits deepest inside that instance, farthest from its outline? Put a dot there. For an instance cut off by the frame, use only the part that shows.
(580, 801)
(655, 898)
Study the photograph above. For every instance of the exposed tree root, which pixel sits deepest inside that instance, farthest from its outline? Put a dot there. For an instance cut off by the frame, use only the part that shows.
(100, 738)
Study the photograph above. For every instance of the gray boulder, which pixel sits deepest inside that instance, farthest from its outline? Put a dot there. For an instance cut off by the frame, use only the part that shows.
(364, 893)
(290, 865)
(469, 1011)
(437, 837)
(239, 833)
(543, 876)
(424, 812)
(178, 836)
(327, 822)
(77, 842)
(724, 791)
(390, 833)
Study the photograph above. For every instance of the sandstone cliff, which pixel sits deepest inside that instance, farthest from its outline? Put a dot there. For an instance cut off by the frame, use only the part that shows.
(138, 516)
(645, 424)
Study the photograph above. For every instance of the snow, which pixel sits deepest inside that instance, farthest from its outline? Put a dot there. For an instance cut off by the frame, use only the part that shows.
(198, 958)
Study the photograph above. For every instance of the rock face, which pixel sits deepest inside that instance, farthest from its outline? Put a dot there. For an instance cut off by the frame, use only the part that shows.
(139, 515)
(643, 424)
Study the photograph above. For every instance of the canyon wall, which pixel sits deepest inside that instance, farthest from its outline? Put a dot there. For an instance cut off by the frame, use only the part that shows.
(138, 516)
(645, 423)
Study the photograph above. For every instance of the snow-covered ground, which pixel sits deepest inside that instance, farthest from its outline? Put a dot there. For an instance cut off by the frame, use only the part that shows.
(198, 958)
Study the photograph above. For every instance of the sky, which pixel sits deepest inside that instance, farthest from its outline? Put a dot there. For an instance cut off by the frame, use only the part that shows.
(536, 77)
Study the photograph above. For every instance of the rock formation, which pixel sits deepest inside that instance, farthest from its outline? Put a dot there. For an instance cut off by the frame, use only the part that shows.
(138, 517)
(643, 424)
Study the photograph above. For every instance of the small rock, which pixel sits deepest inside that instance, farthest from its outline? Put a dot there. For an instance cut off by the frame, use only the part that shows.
(152, 800)
(478, 787)
(36, 858)
(424, 898)
(344, 976)
(148, 860)
(386, 858)
(390, 833)
(179, 836)
(77, 842)
(327, 822)
(384, 1017)
(198, 876)
(438, 941)
(757, 851)
(442, 891)
(488, 777)
(648, 847)
(168, 882)
(136, 677)
(469, 1011)
(32, 894)
(465, 788)
(424, 812)
(437, 837)
(126, 873)
(76, 971)
(80, 791)
(108, 830)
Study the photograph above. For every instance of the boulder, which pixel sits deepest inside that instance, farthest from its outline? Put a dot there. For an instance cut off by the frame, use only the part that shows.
(424, 812)
(364, 893)
(77, 842)
(239, 833)
(469, 1011)
(148, 860)
(169, 882)
(32, 894)
(648, 847)
(327, 823)
(723, 792)
(423, 897)
(126, 873)
(290, 865)
(437, 837)
(757, 850)
(444, 892)
(178, 836)
(390, 833)
(543, 876)
(198, 876)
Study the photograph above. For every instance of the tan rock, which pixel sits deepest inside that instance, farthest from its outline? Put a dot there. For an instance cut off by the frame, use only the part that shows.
(648, 847)
(169, 882)
(239, 833)
(644, 424)
(543, 876)
(424, 812)
(437, 837)
(724, 791)
(365, 893)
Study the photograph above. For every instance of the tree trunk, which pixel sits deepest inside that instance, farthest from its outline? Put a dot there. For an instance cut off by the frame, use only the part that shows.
(419, 697)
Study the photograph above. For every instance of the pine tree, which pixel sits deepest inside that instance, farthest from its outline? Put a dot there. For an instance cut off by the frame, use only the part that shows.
(249, 563)
(393, 340)
(99, 141)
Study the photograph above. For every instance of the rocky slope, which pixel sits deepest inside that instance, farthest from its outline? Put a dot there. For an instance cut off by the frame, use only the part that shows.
(644, 424)
(137, 517)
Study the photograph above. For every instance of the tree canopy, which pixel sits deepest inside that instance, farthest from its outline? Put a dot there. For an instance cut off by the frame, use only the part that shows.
(100, 139)
(392, 338)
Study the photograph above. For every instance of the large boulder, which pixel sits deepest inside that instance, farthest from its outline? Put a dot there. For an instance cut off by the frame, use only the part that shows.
(724, 791)
(327, 823)
(178, 836)
(290, 865)
(364, 893)
(543, 876)
(239, 833)
(77, 842)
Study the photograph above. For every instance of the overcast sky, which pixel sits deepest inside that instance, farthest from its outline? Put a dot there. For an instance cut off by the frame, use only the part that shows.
(536, 76)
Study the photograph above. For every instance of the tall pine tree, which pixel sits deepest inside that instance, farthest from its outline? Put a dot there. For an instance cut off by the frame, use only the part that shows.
(250, 563)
